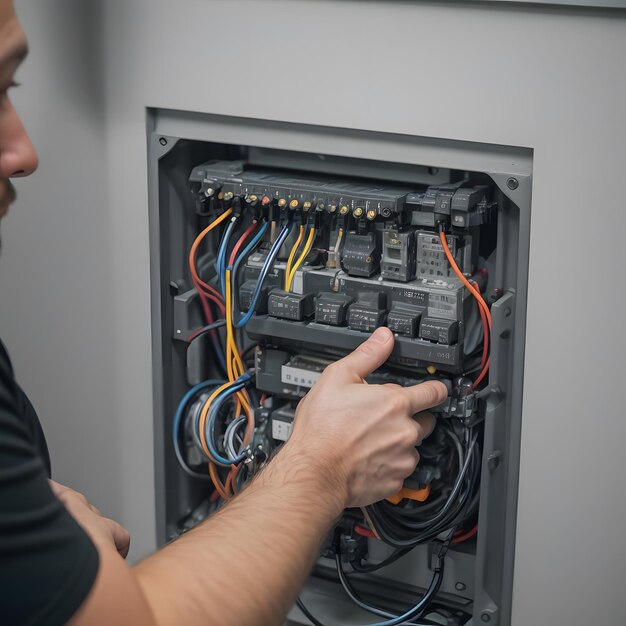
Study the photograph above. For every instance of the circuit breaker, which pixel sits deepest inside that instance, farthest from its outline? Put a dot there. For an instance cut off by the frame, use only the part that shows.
(270, 265)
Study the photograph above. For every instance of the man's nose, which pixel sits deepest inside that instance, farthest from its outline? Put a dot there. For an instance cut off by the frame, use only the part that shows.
(18, 156)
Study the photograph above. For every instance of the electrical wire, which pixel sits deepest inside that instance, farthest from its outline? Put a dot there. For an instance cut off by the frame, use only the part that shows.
(206, 329)
(230, 434)
(413, 613)
(352, 594)
(269, 261)
(301, 258)
(408, 525)
(479, 299)
(460, 538)
(292, 255)
(178, 418)
(214, 407)
(220, 263)
(241, 241)
(197, 281)
(205, 291)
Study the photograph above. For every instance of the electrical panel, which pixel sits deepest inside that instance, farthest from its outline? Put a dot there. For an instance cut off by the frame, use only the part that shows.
(275, 269)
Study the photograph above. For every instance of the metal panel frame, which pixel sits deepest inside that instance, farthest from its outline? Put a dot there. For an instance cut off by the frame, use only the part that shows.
(510, 167)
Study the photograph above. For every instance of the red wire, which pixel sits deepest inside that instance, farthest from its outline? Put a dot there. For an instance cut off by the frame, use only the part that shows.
(204, 296)
(240, 242)
(465, 536)
(364, 532)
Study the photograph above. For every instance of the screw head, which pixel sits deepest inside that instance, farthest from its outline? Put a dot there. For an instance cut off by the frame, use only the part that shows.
(512, 183)
(357, 212)
(163, 141)
(344, 210)
(371, 214)
(293, 204)
(306, 206)
(460, 586)
(485, 617)
(282, 202)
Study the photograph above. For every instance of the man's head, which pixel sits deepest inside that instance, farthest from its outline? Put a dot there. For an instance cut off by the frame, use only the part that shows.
(17, 154)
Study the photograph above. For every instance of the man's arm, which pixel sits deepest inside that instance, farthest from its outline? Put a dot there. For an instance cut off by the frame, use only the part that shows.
(352, 444)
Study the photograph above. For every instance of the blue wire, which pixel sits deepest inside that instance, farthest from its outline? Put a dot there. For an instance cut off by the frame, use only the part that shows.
(178, 417)
(237, 385)
(242, 256)
(221, 254)
(284, 233)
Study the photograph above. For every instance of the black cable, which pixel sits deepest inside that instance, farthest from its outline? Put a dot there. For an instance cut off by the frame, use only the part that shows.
(352, 594)
(406, 526)
(307, 613)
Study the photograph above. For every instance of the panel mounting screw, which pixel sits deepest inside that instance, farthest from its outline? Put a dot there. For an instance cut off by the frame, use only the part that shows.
(512, 183)
(460, 586)
(485, 617)
(163, 141)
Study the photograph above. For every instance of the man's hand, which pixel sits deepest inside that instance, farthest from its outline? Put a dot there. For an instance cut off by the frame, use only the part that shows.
(104, 532)
(364, 436)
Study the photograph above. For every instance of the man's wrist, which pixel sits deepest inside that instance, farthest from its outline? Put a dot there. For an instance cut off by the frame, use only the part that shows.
(293, 467)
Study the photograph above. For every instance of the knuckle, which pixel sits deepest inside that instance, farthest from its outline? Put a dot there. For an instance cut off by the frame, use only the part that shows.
(331, 370)
(409, 435)
(398, 402)
(416, 457)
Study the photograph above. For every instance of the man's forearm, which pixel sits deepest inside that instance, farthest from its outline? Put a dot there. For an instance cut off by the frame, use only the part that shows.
(247, 564)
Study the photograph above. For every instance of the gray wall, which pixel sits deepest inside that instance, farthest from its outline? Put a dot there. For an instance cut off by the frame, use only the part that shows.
(57, 280)
(74, 277)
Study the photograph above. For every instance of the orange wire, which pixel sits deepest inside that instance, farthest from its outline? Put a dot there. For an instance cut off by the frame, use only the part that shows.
(485, 313)
(198, 282)
(215, 479)
(464, 280)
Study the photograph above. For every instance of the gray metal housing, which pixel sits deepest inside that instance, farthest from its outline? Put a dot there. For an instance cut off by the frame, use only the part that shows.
(176, 142)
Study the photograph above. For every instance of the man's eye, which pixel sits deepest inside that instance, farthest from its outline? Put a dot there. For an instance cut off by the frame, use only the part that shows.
(14, 84)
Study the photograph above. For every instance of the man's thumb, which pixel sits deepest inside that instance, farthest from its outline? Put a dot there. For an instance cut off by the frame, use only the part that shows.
(369, 356)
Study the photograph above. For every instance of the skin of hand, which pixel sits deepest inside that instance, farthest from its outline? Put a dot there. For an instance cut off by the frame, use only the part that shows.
(104, 532)
(365, 434)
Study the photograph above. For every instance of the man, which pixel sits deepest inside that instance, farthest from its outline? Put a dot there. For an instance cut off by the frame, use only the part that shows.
(62, 561)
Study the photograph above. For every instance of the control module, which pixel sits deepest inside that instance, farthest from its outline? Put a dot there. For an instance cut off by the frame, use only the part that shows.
(291, 271)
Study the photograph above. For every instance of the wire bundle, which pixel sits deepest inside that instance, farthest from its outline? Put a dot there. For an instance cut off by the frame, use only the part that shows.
(222, 424)
(411, 523)
(415, 612)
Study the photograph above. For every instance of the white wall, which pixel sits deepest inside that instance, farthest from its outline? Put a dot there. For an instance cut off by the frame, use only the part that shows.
(551, 79)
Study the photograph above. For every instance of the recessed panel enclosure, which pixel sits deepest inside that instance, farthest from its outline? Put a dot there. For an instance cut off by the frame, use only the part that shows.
(277, 249)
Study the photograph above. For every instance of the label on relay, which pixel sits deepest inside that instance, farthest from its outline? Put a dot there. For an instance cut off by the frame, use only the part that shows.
(442, 305)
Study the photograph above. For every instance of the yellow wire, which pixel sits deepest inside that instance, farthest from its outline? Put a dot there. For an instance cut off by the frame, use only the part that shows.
(203, 415)
(234, 363)
(298, 263)
(292, 255)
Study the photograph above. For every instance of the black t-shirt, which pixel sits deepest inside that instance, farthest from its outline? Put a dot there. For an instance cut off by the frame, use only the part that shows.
(47, 562)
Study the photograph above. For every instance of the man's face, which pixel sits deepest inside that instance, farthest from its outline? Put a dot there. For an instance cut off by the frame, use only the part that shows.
(17, 154)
